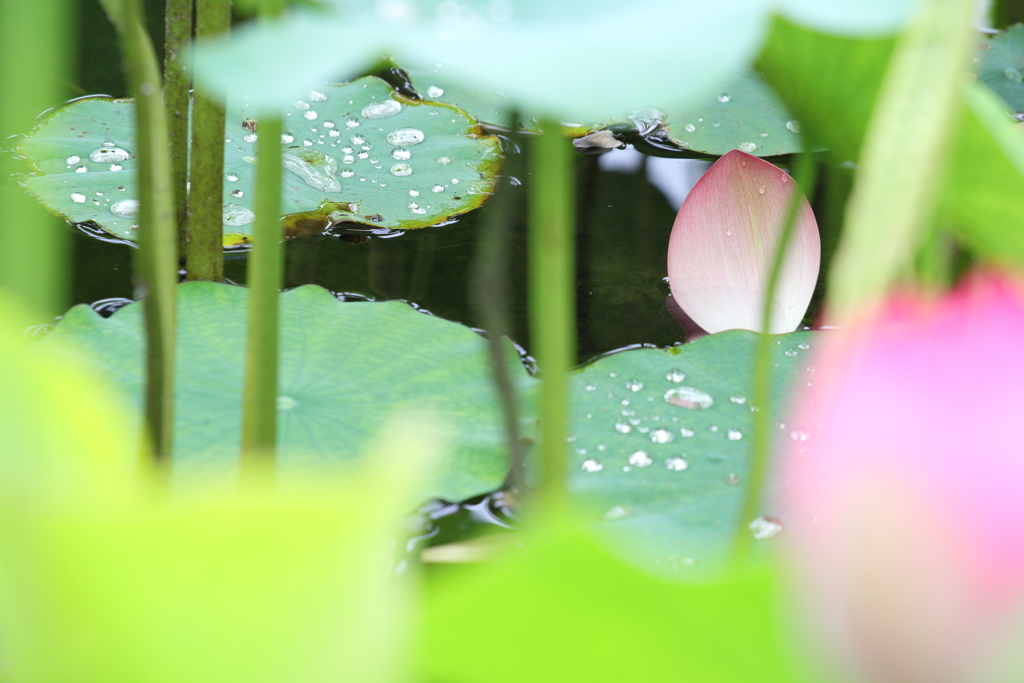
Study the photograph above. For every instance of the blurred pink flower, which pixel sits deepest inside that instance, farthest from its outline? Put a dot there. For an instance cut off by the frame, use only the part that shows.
(903, 496)
(723, 242)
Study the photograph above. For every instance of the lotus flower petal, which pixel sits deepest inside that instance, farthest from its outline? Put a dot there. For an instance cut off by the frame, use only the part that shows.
(902, 499)
(723, 242)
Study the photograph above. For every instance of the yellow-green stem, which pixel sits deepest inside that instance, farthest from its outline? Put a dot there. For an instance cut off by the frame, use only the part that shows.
(265, 274)
(552, 298)
(34, 51)
(204, 236)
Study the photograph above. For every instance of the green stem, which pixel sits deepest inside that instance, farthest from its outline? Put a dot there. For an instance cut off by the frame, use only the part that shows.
(552, 300)
(489, 293)
(157, 256)
(177, 39)
(33, 244)
(266, 272)
(805, 173)
(204, 236)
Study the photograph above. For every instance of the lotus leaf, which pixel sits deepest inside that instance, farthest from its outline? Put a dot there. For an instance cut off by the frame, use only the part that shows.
(345, 368)
(1002, 66)
(661, 442)
(353, 153)
(577, 59)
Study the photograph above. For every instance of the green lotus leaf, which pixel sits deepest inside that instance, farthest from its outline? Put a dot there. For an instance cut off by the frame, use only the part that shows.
(345, 369)
(353, 153)
(1002, 66)
(485, 105)
(746, 115)
(662, 443)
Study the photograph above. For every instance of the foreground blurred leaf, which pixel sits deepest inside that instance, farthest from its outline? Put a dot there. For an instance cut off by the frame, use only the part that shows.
(511, 47)
(358, 166)
(904, 156)
(54, 422)
(503, 46)
(662, 443)
(344, 369)
(129, 586)
(984, 180)
(562, 609)
(222, 589)
(830, 82)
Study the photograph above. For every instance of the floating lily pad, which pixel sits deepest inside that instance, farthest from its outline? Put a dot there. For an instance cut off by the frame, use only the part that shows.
(486, 106)
(346, 368)
(747, 115)
(353, 153)
(662, 442)
(1002, 66)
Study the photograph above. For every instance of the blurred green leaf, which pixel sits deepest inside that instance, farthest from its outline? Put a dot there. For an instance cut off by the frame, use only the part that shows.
(663, 474)
(984, 179)
(830, 82)
(289, 580)
(344, 369)
(55, 416)
(568, 59)
(1002, 65)
(85, 168)
(562, 609)
(903, 158)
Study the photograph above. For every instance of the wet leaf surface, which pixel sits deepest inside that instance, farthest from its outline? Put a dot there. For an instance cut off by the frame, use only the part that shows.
(745, 115)
(346, 368)
(1002, 65)
(354, 154)
(661, 443)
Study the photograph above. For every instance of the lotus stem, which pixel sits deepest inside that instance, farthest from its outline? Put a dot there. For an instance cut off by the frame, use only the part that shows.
(552, 299)
(265, 275)
(158, 255)
(177, 39)
(489, 292)
(205, 228)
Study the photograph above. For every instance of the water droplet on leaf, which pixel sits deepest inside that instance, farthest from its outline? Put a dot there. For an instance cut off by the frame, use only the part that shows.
(689, 397)
(126, 208)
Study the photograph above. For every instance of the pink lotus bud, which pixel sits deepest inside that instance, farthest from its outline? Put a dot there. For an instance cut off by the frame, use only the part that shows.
(903, 495)
(723, 242)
